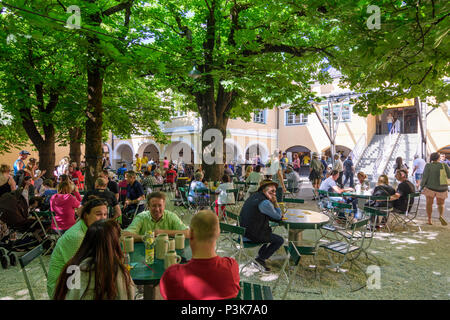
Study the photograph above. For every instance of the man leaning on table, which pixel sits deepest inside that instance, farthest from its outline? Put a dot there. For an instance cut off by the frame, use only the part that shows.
(206, 276)
(255, 214)
(157, 219)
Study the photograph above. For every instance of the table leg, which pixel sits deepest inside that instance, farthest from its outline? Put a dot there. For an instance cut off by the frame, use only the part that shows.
(295, 235)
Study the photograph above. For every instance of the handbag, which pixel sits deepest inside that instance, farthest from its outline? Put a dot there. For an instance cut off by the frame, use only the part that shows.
(443, 179)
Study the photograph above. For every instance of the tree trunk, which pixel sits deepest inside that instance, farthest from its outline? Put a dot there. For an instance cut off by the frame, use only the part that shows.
(47, 157)
(76, 134)
(213, 172)
(94, 113)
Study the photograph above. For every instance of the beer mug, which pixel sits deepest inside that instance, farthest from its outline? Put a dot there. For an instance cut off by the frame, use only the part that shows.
(172, 246)
(171, 258)
(128, 244)
(161, 245)
(179, 241)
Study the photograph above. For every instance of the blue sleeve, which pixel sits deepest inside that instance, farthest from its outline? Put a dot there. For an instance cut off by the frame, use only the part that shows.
(268, 209)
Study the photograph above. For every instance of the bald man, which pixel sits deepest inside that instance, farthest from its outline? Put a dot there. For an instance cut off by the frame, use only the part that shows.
(206, 276)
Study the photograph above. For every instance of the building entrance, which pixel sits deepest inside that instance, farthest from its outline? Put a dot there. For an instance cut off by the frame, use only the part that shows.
(407, 116)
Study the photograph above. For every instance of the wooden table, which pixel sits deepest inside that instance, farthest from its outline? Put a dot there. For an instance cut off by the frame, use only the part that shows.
(149, 276)
(297, 220)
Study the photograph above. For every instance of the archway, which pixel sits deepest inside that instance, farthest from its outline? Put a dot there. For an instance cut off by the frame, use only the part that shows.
(254, 150)
(305, 158)
(124, 154)
(231, 152)
(339, 149)
(152, 152)
(179, 150)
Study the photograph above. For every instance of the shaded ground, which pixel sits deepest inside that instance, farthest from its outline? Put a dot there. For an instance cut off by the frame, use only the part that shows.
(413, 265)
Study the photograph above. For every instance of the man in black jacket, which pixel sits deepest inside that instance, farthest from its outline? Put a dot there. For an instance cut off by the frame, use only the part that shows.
(256, 212)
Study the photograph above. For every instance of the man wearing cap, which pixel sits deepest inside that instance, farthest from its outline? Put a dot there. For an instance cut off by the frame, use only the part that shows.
(257, 211)
(19, 164)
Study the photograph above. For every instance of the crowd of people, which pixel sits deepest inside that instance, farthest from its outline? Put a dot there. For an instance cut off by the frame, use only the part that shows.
(91, 226)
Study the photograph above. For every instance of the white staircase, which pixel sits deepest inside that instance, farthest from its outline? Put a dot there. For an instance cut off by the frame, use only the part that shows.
(372, 153)
(406, 147)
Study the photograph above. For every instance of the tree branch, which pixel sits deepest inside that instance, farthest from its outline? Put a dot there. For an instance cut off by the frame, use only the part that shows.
(117, 8)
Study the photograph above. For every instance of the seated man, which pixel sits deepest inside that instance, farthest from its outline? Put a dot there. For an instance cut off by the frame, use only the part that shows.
(256, 212)
(112, 185)
(329, 185)
(206, 276)
(135, 193)
(403, 190)
(293, 181)
(103, 193)
(157, 219)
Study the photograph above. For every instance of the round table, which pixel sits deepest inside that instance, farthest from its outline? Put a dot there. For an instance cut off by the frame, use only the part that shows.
(297, 220)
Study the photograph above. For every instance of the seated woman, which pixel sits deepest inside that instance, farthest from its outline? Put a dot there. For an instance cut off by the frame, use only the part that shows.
(103, 275)
(95, 209)
(362, 184)
(198, 191)
(293, 181)
(63, 204)
(225, 198)
(382, 189)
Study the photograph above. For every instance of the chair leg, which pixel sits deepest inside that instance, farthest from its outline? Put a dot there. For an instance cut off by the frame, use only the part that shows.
(27, 281)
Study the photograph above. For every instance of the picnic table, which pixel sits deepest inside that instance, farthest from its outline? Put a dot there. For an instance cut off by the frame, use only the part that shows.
(297, 220)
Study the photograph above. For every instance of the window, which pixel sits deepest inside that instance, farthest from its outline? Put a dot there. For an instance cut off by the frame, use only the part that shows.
(293, 119)
(259, 116)
(346, 112)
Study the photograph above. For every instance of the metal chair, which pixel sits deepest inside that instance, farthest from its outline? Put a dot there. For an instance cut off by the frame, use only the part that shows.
(348, 249)
(294, 254)
(26, 259)
(405, 218)
(253, 291)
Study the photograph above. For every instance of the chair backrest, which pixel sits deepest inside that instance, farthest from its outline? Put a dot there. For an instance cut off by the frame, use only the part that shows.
(340, 205)
(293, 200)
(360, 224)
(26, 259)
(232, 215)
(225, 227)
(414, 207)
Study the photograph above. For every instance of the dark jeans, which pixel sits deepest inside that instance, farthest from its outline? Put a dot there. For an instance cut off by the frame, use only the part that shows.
(268, 249)
(350, 176)
(339, 180)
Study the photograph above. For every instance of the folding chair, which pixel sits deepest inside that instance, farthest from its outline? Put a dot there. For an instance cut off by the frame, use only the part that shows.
(405, 218)
(26, 259)
(253, 291)
(238, 243)
(348, 249)
(294, 254)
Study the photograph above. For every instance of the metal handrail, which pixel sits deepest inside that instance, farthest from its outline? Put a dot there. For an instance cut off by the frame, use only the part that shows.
(395, 130)
(358, 150)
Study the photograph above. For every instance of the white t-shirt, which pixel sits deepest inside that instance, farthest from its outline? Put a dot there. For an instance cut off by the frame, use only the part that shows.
(224, 196)
(420, 163)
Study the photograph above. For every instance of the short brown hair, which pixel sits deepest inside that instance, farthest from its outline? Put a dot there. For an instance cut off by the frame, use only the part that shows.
(130, 173)
(156, 194)
(64, 187)
(205, 225)
(5, 168)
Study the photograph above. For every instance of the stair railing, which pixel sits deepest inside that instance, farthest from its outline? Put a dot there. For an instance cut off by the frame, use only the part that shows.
(359, 149)
(386, 150)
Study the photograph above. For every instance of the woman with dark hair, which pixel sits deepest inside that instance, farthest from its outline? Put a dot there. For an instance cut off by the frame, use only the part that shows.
(26, 188)
(400, 165)
(103, 274)
(94, 209)
(432, 186)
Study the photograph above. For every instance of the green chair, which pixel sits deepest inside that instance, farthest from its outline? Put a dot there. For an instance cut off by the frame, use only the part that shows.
(26, 259)
(253, 291)
(406, 218)
(348, 249)
(238, 243)
(294, 254)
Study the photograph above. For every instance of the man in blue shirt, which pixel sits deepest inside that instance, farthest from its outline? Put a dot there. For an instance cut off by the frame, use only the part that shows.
(135, 193)
(19, 164)
(329, 185)
(256, 212)
(121, 171)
